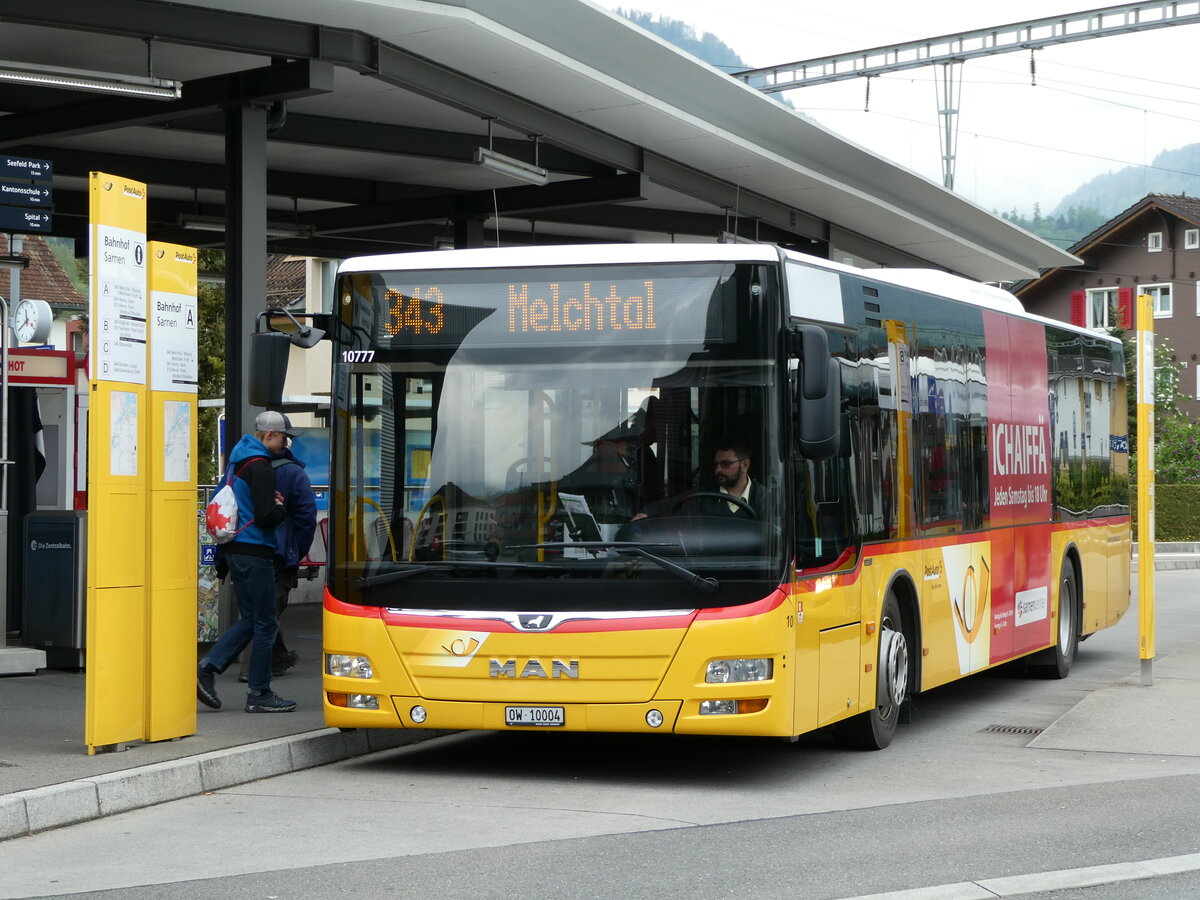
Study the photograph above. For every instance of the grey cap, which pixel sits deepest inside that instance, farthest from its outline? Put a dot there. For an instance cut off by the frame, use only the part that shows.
(274, 421)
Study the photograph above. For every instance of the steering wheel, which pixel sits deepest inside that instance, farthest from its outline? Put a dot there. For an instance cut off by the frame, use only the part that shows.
(676, 505)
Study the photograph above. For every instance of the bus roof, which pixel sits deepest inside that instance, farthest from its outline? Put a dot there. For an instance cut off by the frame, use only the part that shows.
(565, 255)
(931, 281)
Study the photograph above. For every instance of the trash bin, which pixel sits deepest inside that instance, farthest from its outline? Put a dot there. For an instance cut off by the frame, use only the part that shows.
(55, 585)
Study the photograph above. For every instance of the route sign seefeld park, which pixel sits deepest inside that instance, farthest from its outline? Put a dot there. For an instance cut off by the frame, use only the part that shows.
(26, 197)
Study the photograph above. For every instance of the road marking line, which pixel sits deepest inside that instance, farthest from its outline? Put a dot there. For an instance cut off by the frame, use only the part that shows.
(1015, 885)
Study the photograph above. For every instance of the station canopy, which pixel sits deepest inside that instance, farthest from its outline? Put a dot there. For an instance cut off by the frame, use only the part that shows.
(379, 113)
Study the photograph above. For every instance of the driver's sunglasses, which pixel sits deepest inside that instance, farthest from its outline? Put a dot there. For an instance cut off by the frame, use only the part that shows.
(726, 463)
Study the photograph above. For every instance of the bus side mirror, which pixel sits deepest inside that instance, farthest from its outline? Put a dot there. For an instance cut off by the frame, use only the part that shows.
(268, 367)
(268, 363)
(818, 420)
(817, 393)
(808, 343)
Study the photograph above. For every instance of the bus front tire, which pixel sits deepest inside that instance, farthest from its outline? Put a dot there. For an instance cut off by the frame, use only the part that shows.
(1055, 662)
(874, 729)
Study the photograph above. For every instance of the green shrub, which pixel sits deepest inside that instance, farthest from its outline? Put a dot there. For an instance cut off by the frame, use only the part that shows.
(1176, 512)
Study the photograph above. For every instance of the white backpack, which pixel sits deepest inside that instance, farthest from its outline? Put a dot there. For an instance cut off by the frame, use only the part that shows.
(221, 514)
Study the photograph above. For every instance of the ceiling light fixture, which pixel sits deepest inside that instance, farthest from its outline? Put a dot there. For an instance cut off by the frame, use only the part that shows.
(513, 168)
(95, 82)
(195, 222)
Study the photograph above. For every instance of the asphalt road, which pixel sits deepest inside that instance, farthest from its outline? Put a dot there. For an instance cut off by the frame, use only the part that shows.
(997, 776)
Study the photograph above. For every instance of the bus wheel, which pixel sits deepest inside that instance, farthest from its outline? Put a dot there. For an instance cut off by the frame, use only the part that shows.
(1055, 662)
(874, 729)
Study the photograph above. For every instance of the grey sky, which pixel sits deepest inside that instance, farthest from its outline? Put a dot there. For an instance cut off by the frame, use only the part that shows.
(1098, 105)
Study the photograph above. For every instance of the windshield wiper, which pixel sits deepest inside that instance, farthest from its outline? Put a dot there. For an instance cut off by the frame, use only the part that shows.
(416, 568)
(708, 585)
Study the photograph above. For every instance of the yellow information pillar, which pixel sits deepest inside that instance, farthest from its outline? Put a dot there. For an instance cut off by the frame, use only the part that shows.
(115, 688)
(1145, 481)
(171, 510)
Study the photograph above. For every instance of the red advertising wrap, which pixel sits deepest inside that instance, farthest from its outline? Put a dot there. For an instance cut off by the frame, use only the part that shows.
(1019, 483)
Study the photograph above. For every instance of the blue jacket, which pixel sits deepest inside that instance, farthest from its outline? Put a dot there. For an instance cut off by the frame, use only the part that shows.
(253, 481)
(294, 536)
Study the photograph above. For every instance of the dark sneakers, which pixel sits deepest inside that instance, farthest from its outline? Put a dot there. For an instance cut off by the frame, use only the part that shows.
(206, 687)
(268, 702)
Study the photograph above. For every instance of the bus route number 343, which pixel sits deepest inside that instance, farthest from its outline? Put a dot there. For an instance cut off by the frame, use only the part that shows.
(545, 716)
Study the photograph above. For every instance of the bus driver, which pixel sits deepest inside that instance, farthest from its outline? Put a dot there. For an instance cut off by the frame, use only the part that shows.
(731, 470)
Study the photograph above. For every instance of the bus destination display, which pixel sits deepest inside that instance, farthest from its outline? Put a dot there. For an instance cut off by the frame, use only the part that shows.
(550, 312)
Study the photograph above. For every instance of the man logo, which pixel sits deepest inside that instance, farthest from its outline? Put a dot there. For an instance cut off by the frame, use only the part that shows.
(534, 622)
(533, 668)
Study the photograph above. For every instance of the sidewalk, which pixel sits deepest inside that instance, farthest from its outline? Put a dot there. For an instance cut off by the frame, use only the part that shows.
(1169, 556)
(48, 780)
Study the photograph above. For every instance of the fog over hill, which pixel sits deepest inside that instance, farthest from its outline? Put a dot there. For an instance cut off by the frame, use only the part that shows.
(1172, 172)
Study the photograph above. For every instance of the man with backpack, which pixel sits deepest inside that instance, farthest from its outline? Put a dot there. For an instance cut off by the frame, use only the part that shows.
(293, 538)
(249, 556)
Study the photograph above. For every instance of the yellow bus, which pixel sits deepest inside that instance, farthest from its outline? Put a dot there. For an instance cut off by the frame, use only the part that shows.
(705, 489)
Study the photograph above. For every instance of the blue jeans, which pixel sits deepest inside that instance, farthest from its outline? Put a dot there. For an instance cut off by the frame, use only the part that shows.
(254, 587)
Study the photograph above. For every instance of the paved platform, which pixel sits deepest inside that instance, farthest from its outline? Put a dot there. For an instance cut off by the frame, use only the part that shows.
(47, 778)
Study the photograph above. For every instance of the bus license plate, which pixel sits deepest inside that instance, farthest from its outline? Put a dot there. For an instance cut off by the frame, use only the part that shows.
(545, 716)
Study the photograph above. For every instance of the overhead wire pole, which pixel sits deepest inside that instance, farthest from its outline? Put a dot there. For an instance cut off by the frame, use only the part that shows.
(954, 49)
(949, 91)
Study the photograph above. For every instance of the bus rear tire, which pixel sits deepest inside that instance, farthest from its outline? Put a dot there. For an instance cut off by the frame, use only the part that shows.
(875, 728)
(1055, 662)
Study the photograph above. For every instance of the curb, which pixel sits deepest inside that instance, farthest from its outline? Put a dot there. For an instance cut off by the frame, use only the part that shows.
(1170, 563)
(54, 806)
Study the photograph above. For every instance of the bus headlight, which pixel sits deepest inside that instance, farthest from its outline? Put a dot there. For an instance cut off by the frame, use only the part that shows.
(724, 671)
(732, 707)
(346, 666)
(353, 701)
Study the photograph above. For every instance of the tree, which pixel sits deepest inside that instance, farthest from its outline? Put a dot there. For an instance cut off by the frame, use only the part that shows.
(1176, 437)
(1177, 451)
(211, 362)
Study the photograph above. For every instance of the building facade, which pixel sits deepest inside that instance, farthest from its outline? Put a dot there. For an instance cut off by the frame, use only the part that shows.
(1153, 247)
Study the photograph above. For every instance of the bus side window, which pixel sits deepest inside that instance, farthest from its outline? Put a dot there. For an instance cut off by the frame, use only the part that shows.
(824, 508)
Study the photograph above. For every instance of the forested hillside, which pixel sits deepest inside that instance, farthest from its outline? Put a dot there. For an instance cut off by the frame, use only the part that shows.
(706, 47)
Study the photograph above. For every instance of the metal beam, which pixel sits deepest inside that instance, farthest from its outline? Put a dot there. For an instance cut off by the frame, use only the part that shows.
(397, 66)
(192, 26)
(515, 201)
(1028, 35)
(300, 78)
(671, 222)
(245, 257)
(70, 162)
(403, 140)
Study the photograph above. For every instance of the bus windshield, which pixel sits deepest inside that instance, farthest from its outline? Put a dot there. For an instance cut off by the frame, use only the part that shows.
(595, 467)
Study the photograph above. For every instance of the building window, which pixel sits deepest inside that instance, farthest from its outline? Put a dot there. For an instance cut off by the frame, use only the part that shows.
(1191, 239)
(1154, 241)
(1102, 308)
(1161, 294)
